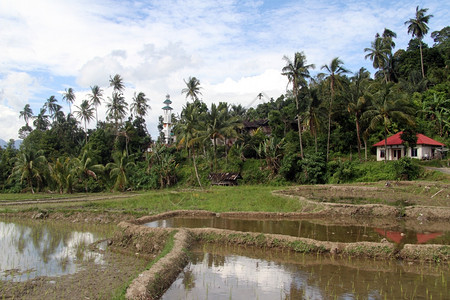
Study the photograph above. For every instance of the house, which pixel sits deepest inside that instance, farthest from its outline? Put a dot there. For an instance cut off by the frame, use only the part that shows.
(426, 148)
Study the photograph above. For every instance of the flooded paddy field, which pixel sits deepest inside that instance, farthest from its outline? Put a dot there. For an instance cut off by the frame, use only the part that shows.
(60, 260)
(313, 229)
(250, 273)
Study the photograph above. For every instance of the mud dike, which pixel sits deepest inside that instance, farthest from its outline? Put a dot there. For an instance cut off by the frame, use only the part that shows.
(152, 283)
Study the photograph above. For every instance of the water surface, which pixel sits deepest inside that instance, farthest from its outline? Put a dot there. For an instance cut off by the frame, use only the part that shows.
(45, 248)
(309, 229)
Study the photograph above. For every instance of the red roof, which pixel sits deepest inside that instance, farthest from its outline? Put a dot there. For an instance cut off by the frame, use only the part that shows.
(396, 140)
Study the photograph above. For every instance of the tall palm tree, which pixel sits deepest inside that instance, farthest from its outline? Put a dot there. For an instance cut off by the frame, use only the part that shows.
(69, 97)
(52, 105)
(388, 104)
(192, 88)
(96, 98)
(140, 105)
(26, 113)
(418, 27)
(334, 75)
(297, 72)
(357, 100)
(86, 113)
(117, 83)
(116, 109)
(188, 132)
(41, 122)
(30, 166)
(378, 54)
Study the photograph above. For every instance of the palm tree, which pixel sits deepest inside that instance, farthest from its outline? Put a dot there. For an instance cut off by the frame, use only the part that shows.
(335, 71)
(139, 105)
(116, 109)
(52, 106)
(96, 98)
(192, 88)
(388, 104)
(297, 72)
(69, 97)
(189, 133)
(26, 114)
(220, 125)
(86, 113)
(418, 27)
(41, 122)
(29, 166)
(357, 101)
(118, 170)
(378, 54)
(86, 168)
(117, 83)
(62, 173)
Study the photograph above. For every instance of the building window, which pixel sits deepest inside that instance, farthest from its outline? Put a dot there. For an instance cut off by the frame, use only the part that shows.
(414, 152)
(382, 153)
(395, 153)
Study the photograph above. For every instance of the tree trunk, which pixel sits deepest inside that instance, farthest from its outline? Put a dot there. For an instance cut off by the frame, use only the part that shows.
(299, 124)
(365, 148)
(385, 145)
(421, 59)
(358, 137)
(195, 168)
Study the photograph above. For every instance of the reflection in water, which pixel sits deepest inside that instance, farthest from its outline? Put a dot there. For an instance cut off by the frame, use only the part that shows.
(218, 273)
(43, 249)
(307, 229)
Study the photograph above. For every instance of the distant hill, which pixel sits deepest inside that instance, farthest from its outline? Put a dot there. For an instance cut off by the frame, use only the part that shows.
(4, 143)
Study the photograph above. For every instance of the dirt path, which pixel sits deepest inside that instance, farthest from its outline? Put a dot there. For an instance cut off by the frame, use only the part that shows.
(62, 200)
(443, 170)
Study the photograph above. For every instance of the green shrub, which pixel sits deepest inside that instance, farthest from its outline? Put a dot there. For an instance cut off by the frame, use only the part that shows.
(405, 169)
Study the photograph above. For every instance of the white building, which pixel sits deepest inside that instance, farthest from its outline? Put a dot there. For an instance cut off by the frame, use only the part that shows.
(426, 148)
(167, 121)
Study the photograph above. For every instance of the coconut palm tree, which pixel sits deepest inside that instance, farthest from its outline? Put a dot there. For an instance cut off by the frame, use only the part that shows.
(86, 113)
(140, 105)
(41, 121)
(52, 105)
(26, 113)
(69, 97)
(188, 132)
(118, 170)
(357, 101)
(85, 168)
(334, 72)
(388, 104)
(29, 167)
(116, 109)
(418, 27)
(192, 88)
(297, 72)
(117, 83)
(96, 98)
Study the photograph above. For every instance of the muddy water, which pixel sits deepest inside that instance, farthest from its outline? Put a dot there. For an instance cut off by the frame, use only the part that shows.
(42, 248)
(236, 273)
(309, 229)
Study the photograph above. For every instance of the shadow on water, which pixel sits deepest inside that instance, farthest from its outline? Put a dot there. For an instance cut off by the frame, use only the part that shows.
(32, 248)
(313, 229)
(218, 272)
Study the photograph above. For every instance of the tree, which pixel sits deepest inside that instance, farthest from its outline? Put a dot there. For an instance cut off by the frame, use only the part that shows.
(388, 105)
(86, 113)
(26, 113)
(52, 106)
(96, 98)
(297, 72)
(192, 88)
(69, 97)
(29, 167)
(116, 109)
(118, 170)
(85, 168)
(140, 105)
(335, 71)
(418, 27)
(357, 101)
(117, 83)
(378, 54)
(189, 133)
(41, 122)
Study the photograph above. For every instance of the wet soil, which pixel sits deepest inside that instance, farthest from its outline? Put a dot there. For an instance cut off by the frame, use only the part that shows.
(92, 282)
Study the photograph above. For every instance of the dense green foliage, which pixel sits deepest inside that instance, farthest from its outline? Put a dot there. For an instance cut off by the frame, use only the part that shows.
(320, 131)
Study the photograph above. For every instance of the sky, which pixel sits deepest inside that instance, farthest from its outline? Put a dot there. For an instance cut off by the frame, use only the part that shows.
(234, 47)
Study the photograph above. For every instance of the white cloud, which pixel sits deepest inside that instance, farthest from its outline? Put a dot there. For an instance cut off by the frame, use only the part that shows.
(235, 48)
